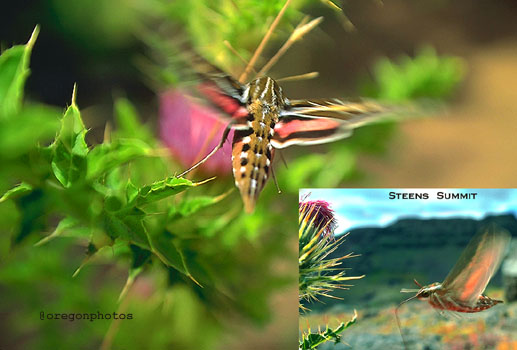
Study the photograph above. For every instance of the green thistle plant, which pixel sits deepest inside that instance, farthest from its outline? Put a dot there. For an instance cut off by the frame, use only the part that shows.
(312, 340)
(319, 275)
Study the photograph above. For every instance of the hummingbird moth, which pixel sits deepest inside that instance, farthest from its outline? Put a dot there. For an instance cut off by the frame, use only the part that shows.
(264, 119)
(462, 290)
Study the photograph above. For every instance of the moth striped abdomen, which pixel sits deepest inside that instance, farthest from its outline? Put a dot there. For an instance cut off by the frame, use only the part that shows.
(252, 151)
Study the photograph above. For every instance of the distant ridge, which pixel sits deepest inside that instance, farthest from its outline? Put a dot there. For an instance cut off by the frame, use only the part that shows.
(425, 249)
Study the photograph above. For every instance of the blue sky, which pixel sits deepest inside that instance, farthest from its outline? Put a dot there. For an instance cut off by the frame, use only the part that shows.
(372, 207)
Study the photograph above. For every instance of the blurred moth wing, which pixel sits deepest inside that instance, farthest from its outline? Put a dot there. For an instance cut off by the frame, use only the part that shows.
(477, 264)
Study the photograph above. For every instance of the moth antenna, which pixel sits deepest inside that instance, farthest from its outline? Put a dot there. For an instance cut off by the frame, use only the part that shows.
(301, 29)
(299, 77)
(398, 320)
(263, 43)
(409, 290)
(418, 284)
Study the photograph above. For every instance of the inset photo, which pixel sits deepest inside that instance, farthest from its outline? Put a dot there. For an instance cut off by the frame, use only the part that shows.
(408, 269)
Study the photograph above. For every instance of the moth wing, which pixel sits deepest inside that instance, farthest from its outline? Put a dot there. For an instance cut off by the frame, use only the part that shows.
(476, 265)
(223, 91)
(317, 121)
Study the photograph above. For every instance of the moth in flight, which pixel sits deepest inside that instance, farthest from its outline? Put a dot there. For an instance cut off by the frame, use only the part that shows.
(462, 290)
(264, 119)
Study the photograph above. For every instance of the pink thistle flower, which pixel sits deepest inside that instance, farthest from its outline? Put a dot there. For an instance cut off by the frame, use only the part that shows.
(191, 131)
(323, 215)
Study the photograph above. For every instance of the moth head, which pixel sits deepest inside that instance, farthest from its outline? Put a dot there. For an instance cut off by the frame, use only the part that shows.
(266, 90)
(425, 292)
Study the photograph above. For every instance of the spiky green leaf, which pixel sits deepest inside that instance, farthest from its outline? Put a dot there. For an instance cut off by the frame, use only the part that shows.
(16, 191)
(70, 148)
(14, 70)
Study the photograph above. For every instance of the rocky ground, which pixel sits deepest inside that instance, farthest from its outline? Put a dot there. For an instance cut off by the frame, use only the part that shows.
(425, 329)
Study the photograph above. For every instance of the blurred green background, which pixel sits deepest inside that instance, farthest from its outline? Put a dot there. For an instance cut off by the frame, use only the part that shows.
(116, 52)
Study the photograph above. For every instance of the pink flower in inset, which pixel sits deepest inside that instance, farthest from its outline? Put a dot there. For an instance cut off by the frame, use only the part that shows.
(191, 131)
(322, 214)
